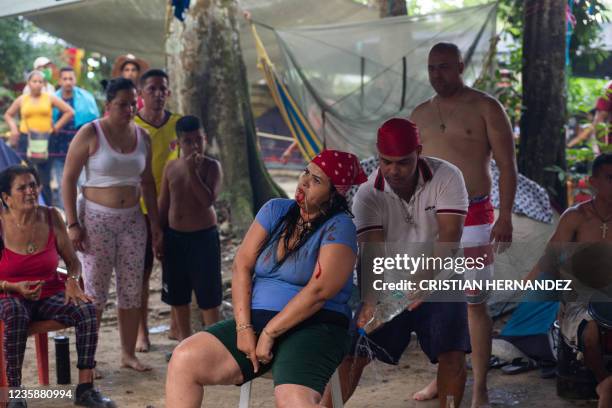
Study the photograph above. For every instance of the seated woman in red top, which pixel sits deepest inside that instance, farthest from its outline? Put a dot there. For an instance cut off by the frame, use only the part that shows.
(33, 239)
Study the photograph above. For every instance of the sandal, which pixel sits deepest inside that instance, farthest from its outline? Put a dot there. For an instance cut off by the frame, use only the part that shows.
(519, 365)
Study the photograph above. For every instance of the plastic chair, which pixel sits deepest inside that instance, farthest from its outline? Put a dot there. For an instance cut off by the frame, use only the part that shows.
(39, 330)
(334, 382)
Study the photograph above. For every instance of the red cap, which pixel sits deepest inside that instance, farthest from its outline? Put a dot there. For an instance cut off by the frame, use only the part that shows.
(343, 169)
(398, 137)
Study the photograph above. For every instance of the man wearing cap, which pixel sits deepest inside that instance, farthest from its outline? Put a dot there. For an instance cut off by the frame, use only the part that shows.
(44, 65)
(467, 127)
(412, 199)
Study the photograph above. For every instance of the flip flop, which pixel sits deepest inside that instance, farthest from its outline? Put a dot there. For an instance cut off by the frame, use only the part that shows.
(496, 362)
(519, 365)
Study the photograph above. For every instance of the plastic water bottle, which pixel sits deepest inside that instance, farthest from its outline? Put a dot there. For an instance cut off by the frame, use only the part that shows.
(389, 305)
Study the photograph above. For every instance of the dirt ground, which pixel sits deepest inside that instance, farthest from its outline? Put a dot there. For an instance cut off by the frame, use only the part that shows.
(381, 386)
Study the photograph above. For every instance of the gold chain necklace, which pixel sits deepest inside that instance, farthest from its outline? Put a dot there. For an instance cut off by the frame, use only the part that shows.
(450, 115)
(31, 246)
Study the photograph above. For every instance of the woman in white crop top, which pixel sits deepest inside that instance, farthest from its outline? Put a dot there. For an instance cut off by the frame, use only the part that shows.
(105, 223)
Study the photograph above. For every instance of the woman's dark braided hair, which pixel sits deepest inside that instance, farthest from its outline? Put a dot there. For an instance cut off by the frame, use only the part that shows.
(289, 222)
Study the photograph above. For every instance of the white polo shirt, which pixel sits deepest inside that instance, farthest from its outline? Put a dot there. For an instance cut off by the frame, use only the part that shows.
(440, 190)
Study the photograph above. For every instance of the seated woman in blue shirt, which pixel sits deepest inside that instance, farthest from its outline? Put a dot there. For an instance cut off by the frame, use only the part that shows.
(290, 286)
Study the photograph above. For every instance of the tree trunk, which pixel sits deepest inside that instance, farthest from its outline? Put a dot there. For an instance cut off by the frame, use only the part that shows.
(542, 123)
(209, 79)
(391, 8)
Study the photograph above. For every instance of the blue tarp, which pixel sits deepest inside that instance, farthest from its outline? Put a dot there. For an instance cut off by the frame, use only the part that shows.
(9, 157)
(529, 327)
(531, 318)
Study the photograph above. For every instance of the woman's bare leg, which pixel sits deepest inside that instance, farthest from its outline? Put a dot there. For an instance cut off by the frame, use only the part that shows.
(185, 380)
(296, 396)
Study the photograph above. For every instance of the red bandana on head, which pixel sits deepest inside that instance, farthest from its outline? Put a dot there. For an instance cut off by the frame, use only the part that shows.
(397, 137)
(343, 169)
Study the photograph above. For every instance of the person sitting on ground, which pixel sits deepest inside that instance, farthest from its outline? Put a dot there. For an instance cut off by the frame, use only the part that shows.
(33, 238)
(585, 132)
(292, 316)
(192, 253)
(586, 222)
(108, 227)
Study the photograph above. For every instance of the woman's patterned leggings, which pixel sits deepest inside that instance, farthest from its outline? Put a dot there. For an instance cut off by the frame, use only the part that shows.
(115, 239)
(17, 315)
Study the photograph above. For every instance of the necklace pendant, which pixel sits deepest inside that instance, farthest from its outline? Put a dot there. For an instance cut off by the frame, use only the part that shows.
(604, 229)
(31, 248)
(442, 127)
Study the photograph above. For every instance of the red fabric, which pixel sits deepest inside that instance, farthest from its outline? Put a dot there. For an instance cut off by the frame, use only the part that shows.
(604, 103)
(42, 265)
(397, 137)
(583, 196)
(480, 213)
(343, 169)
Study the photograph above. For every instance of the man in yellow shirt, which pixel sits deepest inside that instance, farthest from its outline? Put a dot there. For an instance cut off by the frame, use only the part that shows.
(160, 124)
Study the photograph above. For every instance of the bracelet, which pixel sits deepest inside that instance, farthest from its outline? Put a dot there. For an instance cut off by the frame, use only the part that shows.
(241, 327)
(74, 224)
(74, 277)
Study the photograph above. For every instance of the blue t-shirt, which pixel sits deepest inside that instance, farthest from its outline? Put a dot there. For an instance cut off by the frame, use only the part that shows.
(272, 290)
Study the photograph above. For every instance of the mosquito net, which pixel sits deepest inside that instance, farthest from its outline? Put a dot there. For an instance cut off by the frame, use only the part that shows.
(348, 78)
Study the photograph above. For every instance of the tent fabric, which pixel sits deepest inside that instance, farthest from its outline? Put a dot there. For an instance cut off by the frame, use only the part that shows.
(111, 27)
(307, 140)
(348, 78)
(117, 27)
(15, 8)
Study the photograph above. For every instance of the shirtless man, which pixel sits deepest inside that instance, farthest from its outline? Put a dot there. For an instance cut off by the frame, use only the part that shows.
(192, 256)
(587, 222)
(466, 127)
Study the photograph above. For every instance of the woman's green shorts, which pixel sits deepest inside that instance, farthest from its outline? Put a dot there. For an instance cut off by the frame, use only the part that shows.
(307, 355)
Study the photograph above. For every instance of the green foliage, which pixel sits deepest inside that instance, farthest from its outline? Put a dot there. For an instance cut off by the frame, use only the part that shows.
(582, 93)
(21, 42)
(589, 14)
(13, 50)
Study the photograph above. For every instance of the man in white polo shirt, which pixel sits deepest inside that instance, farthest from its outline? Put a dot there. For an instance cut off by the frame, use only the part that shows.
(412, 199)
